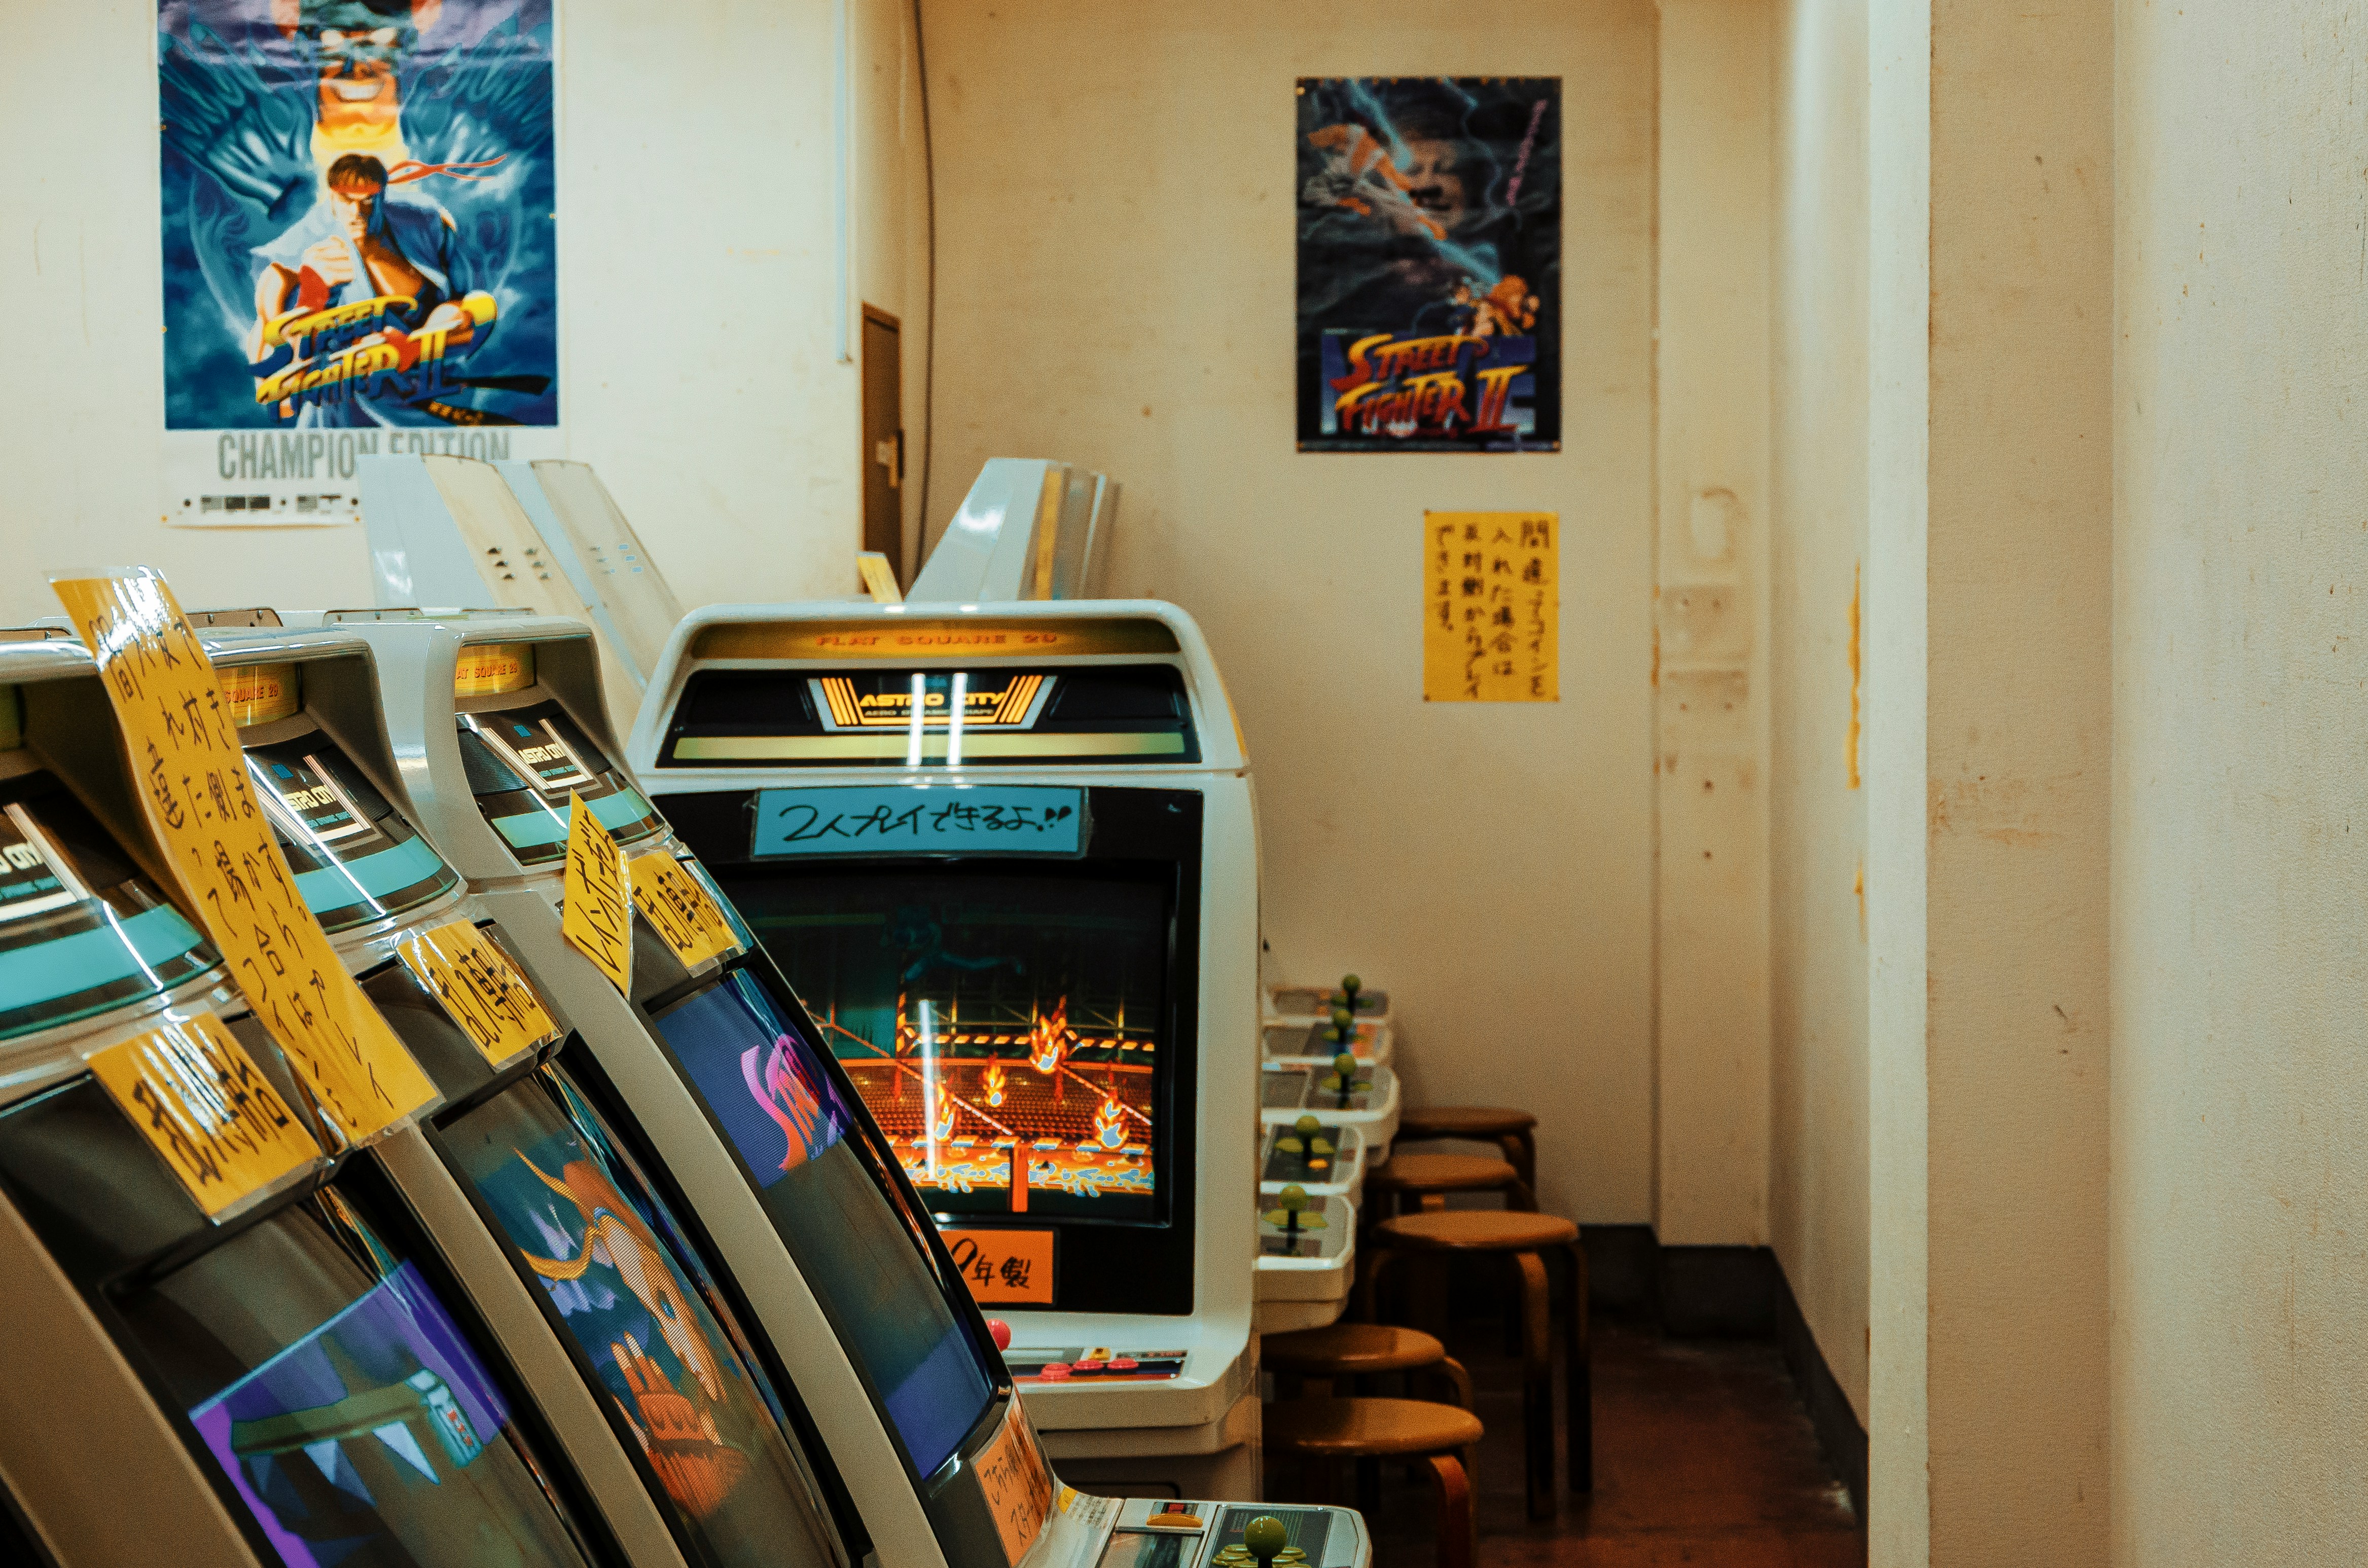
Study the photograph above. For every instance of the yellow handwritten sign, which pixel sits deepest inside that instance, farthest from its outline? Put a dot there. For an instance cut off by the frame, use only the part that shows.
(1492, 608)
(680, 910)
(479, 988)
(1018, 1486)
(193, 787)
(198, 1098)
(596, 910)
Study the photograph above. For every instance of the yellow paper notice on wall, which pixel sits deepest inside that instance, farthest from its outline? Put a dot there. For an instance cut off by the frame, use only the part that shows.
(1491, 607)
(596, 910)
(193, 785)
(207, 1111)
(680, 910)
(481, 988)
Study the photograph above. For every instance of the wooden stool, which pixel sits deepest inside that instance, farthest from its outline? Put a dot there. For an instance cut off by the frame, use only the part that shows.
(1525, 1237)
(1334, 1429)
(1515, 1131)
(1428, 1178)
(1362, 1350)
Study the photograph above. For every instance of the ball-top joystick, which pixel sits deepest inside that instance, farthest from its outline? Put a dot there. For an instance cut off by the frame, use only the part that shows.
(1350, 986)
(1265, 1538)
(1294, 1198)
(1344, 1026)
(1344, 1072)
(1309, 1145)
(1001, 1330)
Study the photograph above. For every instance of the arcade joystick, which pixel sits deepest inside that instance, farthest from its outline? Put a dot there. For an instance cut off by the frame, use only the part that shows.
(1266, 1538)
(1349, 986)
(1310, 1145)
(1344, 1069)
(1294, 1198)
(1344, 1026)
(1000, 1332)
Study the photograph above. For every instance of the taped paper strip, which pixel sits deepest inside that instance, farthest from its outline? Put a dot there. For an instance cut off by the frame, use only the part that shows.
(208, 1112)
(192, 777)
(596, 910)
(479, 988)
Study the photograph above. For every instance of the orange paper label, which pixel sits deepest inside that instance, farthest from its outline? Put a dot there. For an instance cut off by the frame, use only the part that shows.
(596, 910)
(256, 694)
(198, 1098)
(1004, 1268)
(678, 909)
(479, 988)
(1019, 1487)
(191, 775)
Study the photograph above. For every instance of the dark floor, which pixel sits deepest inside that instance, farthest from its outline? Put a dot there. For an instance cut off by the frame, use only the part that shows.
(1702, 1455)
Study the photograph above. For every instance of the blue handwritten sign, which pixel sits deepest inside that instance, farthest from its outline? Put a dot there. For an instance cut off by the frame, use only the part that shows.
(890, 819)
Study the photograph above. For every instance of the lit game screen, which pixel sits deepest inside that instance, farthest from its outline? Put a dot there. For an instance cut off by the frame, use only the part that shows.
(1004, 1030)
(344, 1406)
(523, 762)
(862, 1254)
(623, 1278)
(355, 860)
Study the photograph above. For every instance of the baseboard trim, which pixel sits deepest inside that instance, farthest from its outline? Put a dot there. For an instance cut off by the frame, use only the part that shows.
(1728, 1293)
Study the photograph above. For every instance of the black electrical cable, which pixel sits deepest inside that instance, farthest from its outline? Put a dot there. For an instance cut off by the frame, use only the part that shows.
(929, 333)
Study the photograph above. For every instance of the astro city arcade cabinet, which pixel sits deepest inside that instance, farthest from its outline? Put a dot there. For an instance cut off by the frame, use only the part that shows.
(1006, 858)
(762, 1134)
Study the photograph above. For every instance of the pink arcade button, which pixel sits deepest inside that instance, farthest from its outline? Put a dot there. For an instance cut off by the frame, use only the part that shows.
(1123, 1363)
(1001, 1330)
(1089, 1365)
(1054, 1372)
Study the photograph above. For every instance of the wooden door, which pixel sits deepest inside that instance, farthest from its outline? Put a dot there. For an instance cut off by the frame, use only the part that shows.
(883, 440)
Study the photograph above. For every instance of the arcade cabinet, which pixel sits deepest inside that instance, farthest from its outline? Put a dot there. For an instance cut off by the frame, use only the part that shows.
(1006, 855)
(751, 1119)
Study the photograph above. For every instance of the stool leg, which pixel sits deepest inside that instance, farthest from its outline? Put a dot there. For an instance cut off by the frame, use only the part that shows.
(1537, 1385)
(1580, 1379)
(1369, 1288)
(1455, 1522)
(1458, 1380)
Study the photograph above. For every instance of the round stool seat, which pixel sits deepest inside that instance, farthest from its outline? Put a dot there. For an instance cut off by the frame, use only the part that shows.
(1462, 1122)
(1443, 1173)
(1351, 1350)
(1367, 1428)
(1477, 1229)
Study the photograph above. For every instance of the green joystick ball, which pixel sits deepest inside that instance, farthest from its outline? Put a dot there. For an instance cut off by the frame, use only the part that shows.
(1344, 1026)
(1307, 1126)
(1351, 984)
(1344, 1066)
(1294, 1198)
(1265, 1538)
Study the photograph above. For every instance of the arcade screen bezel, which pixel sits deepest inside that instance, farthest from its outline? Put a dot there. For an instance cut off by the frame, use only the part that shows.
(108, 1277)
(862, 1133)
(1140, 1268)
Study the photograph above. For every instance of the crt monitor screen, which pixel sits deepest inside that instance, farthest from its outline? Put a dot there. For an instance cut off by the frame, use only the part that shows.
(523, 762)
(863, 1257)
(1007, 1030)
(626, 1284)
(349, 1415)
(354, 859)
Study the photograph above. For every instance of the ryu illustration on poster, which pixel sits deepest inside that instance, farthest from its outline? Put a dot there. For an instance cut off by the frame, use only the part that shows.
(358, 214)
(1430, 264)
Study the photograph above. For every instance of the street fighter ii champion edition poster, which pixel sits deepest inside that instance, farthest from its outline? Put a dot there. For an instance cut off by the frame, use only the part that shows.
(357, 217)
(1430, 264)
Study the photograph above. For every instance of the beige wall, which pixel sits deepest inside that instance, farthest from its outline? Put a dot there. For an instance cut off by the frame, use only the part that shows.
(2012, 778)
(1711, 705)
(2240, 736)
(1115, 282)
(1818, 1162)
(698, 270)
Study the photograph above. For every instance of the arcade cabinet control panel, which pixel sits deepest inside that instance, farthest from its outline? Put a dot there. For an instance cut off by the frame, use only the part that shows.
(1153, 1534)
(1093, 1364)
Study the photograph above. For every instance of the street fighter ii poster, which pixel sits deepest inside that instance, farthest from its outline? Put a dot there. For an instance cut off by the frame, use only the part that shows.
(1430, 264)
(358, 238)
